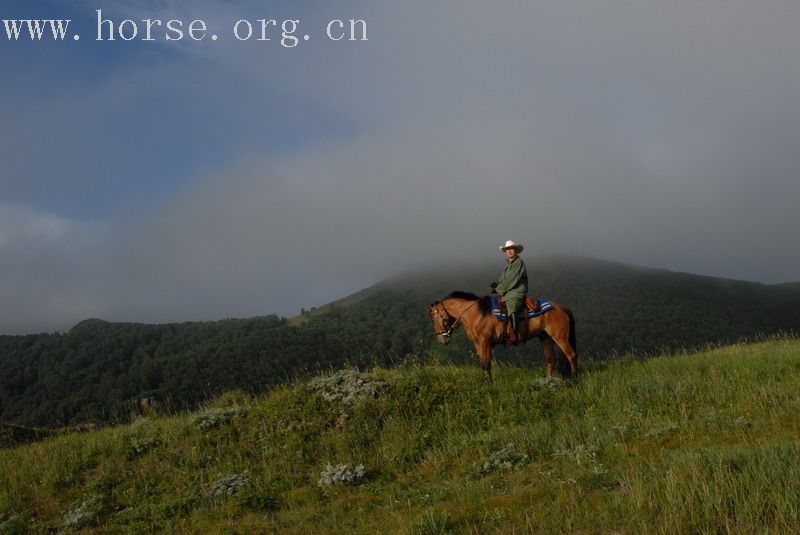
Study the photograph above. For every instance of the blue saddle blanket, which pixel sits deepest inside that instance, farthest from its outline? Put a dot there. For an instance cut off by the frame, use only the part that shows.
(500, 312)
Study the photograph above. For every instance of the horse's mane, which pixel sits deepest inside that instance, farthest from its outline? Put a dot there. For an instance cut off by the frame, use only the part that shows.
(469, 296)
(484, 303)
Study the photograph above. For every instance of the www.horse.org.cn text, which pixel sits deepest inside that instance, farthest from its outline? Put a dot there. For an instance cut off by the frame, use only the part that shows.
(286, 32)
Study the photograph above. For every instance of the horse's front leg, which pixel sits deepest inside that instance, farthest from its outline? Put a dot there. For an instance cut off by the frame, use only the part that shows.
(549, 354)
(484, 349)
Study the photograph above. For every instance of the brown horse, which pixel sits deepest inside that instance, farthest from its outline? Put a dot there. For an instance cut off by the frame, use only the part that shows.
(485, 330)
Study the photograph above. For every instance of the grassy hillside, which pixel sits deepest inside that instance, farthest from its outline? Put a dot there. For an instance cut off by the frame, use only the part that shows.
(704, 442)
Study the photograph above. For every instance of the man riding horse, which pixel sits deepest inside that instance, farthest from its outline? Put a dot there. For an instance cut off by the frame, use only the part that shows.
(553, 325)
(513, 286)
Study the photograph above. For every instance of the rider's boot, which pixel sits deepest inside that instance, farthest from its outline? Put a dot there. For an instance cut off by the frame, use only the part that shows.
(513, 332)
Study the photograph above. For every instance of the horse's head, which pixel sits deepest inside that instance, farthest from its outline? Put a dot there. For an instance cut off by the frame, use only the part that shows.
(442, 322)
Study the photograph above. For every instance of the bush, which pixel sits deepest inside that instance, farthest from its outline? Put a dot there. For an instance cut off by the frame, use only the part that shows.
(228, 485)
(504, 459)
(84, 511)
(212, 418)
(139, 439)
(341, 475)
(347, 386)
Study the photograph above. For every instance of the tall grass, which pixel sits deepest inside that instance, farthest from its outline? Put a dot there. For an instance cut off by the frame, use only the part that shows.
(696, 443)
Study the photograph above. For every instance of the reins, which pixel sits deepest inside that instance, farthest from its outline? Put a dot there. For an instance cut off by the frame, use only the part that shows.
(449, 331)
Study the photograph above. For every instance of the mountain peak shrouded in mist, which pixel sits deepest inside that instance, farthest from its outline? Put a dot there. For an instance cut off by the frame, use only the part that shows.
(547, 275)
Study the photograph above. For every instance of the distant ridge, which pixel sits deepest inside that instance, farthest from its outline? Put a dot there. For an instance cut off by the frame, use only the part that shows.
(439, 280)
(97, 370)
(90, 323)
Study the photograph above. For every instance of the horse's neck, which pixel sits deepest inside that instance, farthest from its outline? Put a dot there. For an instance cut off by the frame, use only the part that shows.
(460, 308)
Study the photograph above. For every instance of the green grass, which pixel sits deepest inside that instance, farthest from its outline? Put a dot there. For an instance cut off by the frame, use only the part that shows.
(697, 443)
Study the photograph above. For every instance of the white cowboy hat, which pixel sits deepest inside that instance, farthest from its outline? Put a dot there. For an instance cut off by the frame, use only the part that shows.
(509, 244)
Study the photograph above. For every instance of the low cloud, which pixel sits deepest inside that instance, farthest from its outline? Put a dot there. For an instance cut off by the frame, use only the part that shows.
(49, 268)
(652, 133)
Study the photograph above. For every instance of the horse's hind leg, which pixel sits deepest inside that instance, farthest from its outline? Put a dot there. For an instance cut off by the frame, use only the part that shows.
(485, 354)
(569, 352)
(549, 354)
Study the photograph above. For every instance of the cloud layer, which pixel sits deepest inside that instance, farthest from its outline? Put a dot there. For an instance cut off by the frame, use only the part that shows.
(654, 133)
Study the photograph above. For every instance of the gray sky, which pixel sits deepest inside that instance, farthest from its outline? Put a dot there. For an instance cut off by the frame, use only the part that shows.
(181, 181)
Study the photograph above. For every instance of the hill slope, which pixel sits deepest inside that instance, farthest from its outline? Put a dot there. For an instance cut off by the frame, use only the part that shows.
(702, 442)
(100, 370)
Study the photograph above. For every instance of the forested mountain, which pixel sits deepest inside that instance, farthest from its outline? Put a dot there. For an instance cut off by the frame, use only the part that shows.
(99, 370)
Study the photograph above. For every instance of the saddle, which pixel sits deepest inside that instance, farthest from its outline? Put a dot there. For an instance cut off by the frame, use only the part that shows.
(533, 307)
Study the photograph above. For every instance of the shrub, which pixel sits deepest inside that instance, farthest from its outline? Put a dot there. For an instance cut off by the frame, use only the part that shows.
(212, 418)
(228, 485)
(139, 439)
(504, 459)
(84, 511)
(347, 386)
(341, 475)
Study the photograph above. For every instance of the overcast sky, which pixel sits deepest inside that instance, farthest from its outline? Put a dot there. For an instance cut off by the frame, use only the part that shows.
(170, 181)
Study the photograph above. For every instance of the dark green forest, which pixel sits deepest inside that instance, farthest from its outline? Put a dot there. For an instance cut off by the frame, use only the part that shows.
(98, 371)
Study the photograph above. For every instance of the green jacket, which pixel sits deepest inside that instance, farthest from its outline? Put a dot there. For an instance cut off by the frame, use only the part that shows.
(513, 283)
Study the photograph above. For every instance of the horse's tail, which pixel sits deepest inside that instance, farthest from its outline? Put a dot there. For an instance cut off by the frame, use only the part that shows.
(571, 330)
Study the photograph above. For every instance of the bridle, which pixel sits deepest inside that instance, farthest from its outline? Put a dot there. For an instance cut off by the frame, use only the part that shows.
(447, 316)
